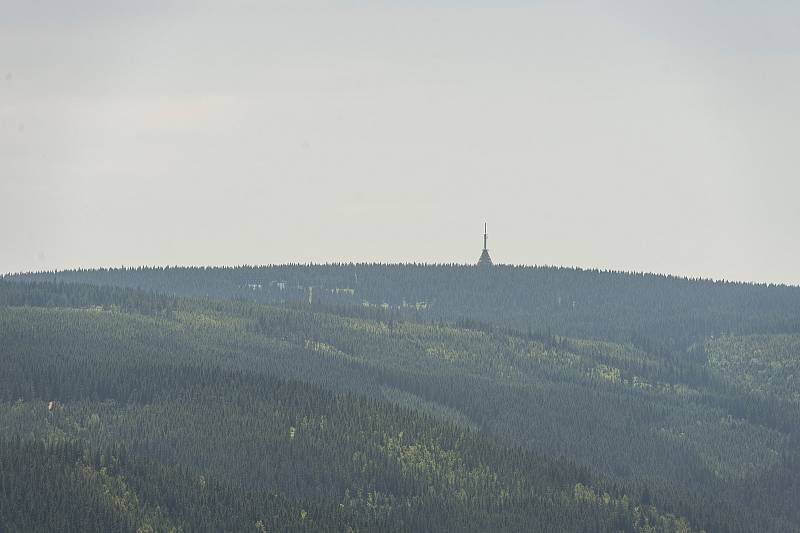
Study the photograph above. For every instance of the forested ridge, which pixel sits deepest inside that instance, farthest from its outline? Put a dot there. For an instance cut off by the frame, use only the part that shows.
(667, 312)
(134, 391)
(335, 414)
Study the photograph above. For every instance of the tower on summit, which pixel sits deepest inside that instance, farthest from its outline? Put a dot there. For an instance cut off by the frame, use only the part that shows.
(485, 260)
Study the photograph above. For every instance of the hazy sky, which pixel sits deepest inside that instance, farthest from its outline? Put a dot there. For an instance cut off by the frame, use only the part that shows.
(647, 136)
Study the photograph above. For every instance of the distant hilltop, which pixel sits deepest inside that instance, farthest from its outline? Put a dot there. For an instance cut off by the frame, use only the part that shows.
(556, 300)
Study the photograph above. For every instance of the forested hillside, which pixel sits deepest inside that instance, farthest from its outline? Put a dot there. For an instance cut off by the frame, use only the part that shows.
(663, 313)
(104, 398)
(380, 423)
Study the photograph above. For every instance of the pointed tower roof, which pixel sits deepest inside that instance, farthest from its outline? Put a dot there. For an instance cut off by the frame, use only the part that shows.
(485, 260)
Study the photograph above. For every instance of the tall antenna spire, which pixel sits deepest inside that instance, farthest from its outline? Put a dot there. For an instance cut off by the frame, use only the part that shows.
(485, 260)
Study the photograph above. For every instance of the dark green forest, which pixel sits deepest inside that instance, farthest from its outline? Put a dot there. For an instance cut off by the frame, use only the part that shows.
(664, 313)
(397, 398)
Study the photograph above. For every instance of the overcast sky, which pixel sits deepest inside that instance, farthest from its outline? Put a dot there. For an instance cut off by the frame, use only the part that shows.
(645, 136)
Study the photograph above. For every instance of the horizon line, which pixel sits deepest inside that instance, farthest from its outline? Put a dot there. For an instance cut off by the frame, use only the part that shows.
(11, 275)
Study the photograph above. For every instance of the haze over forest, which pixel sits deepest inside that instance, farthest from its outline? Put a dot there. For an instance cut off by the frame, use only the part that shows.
(244, 286)
(624, 135)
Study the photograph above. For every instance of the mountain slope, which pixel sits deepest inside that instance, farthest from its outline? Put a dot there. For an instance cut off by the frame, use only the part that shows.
(663, 312)
(170, 391)
(153, 371)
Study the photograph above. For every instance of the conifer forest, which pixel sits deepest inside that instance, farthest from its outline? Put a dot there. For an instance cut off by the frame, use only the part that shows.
(399, 266)
(374, 397)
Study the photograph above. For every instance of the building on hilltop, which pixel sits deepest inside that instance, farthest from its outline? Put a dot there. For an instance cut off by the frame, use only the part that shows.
(485, 260)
